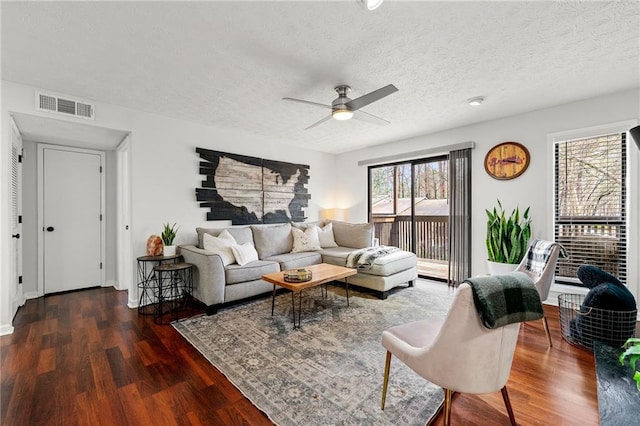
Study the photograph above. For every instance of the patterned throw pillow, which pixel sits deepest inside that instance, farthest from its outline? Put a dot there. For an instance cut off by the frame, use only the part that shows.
(220, 245)
(244, 253)
(306, 240)
(325, 235)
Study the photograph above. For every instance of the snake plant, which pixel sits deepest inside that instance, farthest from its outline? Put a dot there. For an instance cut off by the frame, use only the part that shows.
(169, 234)
(507, 237)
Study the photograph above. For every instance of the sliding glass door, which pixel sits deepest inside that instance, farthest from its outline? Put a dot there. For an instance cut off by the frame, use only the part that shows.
(409, 209)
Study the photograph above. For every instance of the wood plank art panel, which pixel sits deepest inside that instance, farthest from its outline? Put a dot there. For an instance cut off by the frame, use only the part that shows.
(249, 190)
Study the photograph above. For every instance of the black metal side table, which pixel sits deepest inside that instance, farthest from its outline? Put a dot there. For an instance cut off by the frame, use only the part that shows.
(147, 285)
(175, 289)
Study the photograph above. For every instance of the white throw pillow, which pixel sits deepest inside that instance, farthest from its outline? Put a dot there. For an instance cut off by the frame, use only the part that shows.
(244, 253)
(220, 245)
(306, 240)
(325, 235)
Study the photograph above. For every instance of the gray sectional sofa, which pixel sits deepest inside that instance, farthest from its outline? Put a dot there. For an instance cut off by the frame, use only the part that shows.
(216, 284)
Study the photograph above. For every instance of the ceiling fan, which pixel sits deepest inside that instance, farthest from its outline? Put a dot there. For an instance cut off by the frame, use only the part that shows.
(343, 108)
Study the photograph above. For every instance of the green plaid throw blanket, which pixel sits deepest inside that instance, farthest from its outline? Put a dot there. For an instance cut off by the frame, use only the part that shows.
(539, 253)
(364, 258)
(505, 299)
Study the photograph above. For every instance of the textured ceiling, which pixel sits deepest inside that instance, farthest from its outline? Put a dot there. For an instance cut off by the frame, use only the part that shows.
(229, 63)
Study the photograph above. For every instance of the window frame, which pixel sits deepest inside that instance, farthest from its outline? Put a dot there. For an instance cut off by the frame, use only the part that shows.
(633, 197)
(617, 222)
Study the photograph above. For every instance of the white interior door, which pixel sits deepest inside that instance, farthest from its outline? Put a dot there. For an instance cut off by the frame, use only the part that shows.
(17, 298)
(72, 219)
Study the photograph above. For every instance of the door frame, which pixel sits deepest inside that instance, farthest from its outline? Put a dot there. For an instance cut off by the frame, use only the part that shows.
(18, 296)
(125, 272)
(40, 202)
(412, 164)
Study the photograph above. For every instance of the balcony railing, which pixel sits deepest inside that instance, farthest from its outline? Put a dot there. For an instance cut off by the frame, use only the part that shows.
(601, 244)
(596, 244)
(432, 234)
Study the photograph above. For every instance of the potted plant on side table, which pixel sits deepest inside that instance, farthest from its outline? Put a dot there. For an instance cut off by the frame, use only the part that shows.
(168, 235)
(507, 239)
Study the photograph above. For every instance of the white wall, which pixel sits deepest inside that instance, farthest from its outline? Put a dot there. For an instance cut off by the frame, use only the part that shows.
(533, 188)
(165, 173)
(164, 169)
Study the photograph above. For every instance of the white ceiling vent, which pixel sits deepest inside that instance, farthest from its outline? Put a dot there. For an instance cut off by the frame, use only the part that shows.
(64, 106)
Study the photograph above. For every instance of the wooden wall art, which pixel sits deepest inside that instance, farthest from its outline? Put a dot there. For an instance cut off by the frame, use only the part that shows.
(249, 190)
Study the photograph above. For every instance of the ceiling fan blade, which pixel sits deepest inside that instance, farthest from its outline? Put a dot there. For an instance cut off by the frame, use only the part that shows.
(307, 102)
(328, 117)
(370, 118)
(371, 97)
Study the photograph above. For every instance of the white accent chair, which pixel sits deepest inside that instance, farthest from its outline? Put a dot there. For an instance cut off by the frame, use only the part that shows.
(459, 354)
(543, 281)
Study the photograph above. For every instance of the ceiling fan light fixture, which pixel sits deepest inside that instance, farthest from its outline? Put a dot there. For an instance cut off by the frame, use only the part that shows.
(371, 4)
(342, 114)
(342, 108)
(476, 101)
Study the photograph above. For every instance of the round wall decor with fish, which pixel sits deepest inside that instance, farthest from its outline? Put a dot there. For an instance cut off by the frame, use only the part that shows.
(507, 160)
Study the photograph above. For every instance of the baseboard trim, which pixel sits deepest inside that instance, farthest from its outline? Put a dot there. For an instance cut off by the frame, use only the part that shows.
(31, 295)
(6, 329)
(111, 283)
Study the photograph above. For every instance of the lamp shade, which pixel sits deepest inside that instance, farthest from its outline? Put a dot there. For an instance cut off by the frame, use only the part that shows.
(334, 214)
(635, 134)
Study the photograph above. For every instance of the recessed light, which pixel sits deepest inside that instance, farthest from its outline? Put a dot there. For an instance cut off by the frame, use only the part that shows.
(371, 4)
(478, 100)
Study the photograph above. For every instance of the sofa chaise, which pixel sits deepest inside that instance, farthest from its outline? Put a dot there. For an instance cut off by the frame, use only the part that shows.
(219, 281)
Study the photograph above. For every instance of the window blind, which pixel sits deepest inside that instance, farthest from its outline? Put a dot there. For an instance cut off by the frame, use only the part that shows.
(590, 205)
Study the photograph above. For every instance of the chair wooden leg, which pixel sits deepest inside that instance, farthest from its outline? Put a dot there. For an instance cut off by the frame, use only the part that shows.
(546, 330)
(507, 404)
(385, 381)
(447, 407)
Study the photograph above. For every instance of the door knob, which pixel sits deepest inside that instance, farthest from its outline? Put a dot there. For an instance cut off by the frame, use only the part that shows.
(16, 236)
(50, 228)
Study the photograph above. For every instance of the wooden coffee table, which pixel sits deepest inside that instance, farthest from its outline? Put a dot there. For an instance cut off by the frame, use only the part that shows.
(322, 273)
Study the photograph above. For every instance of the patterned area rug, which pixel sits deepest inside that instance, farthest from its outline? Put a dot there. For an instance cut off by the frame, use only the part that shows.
(330, 370)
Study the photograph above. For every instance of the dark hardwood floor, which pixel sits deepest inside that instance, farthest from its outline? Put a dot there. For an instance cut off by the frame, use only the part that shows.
(86, 358)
